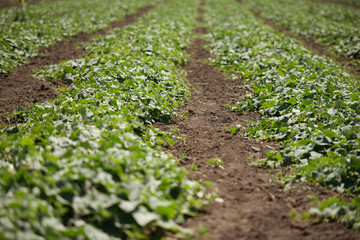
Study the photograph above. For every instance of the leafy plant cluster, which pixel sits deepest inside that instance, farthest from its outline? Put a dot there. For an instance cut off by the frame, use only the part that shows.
(307, 102)
(85, 166)
(43, 24)
(355, 2)
(333, 25)
(334, 209)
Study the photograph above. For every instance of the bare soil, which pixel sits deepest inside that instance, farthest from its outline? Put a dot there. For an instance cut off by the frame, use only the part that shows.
(20, 88)
(250, 204)
(311, 44)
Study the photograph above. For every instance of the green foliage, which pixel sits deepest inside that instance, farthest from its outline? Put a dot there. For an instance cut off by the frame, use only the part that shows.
(43, 24)
(193, 166)
(334, 209)
(234, 130)
(85, 166)
(334, 25)
(307, 102)
(355, 2)
(216, 163)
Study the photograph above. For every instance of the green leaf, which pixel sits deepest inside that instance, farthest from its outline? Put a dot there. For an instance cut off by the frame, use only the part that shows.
(27, 141)
(143, 217)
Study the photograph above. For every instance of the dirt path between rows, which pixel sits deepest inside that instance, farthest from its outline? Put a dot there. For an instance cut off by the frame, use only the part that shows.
(311, 44)
(249, 206)
(20, 88)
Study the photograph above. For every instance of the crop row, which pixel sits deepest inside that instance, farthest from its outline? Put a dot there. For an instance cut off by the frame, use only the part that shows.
(355, 2)
(333, 25)
(25, 30)
(307, 102)
(85, 166)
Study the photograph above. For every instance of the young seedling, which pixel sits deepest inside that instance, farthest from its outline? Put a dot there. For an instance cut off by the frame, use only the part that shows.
(216, 163)
(193, 166)
(234, 130)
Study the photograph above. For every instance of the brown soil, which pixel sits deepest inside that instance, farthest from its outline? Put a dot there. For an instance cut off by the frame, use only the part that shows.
(250, 205)
(311, 44)
(20, 88)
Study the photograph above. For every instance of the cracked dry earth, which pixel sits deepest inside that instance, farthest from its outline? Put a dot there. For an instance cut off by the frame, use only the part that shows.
(253, 207)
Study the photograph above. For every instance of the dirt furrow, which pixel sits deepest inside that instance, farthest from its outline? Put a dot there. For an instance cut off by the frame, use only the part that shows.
(20, 88)
(250, 205)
